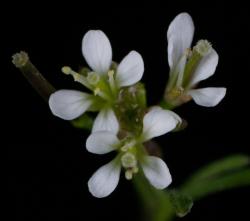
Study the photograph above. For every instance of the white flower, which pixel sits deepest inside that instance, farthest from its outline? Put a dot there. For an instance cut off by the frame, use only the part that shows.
(189, 67)
(131, 153)
(102, 80)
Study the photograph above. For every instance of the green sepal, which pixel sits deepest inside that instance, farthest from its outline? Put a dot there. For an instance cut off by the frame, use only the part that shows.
(166, 105)
(83, 122)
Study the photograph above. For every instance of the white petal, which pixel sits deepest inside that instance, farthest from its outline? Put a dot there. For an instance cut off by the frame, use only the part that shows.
(105, 179)
(69, 104)
(156, 171)
(175, 116)
(180, 36)
(101, 142)
(97, 51)
(130, 70)
(205, 68)
(208, 97)
(106, 121)
(158, 122)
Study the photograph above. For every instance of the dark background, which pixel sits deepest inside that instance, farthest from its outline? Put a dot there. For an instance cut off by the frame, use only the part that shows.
(48, 165)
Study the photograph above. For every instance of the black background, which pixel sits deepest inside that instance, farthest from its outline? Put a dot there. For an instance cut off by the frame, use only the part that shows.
(48, 165)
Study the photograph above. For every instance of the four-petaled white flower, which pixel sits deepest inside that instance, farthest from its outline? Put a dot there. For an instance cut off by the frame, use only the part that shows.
(131, 154)
(104, 81)
(189, 67)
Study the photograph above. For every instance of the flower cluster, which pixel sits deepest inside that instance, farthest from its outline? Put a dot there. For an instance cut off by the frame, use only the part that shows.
(107, 82)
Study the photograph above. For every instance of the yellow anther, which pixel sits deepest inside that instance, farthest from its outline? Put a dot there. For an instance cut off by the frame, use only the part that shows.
(135, 169)
(97, 91)
(128, 174)
(124, 148)
(111, 73)
(112, 81)
(77, 77)
(127, 146)
(66, 70)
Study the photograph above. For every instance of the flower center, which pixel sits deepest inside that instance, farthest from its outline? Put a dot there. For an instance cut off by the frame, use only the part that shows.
(103, 85)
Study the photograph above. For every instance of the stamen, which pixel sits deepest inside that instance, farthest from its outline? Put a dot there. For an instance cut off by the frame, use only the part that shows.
(77, 77)
(127, 146)
(128, 174)
(181, 67)
(112, 80)
(135, 169)
(66, 70)
(111, 73)
(98, 92)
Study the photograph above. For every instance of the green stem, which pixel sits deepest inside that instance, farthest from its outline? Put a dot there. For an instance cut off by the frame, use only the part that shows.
(157, 205)
(39, 83)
